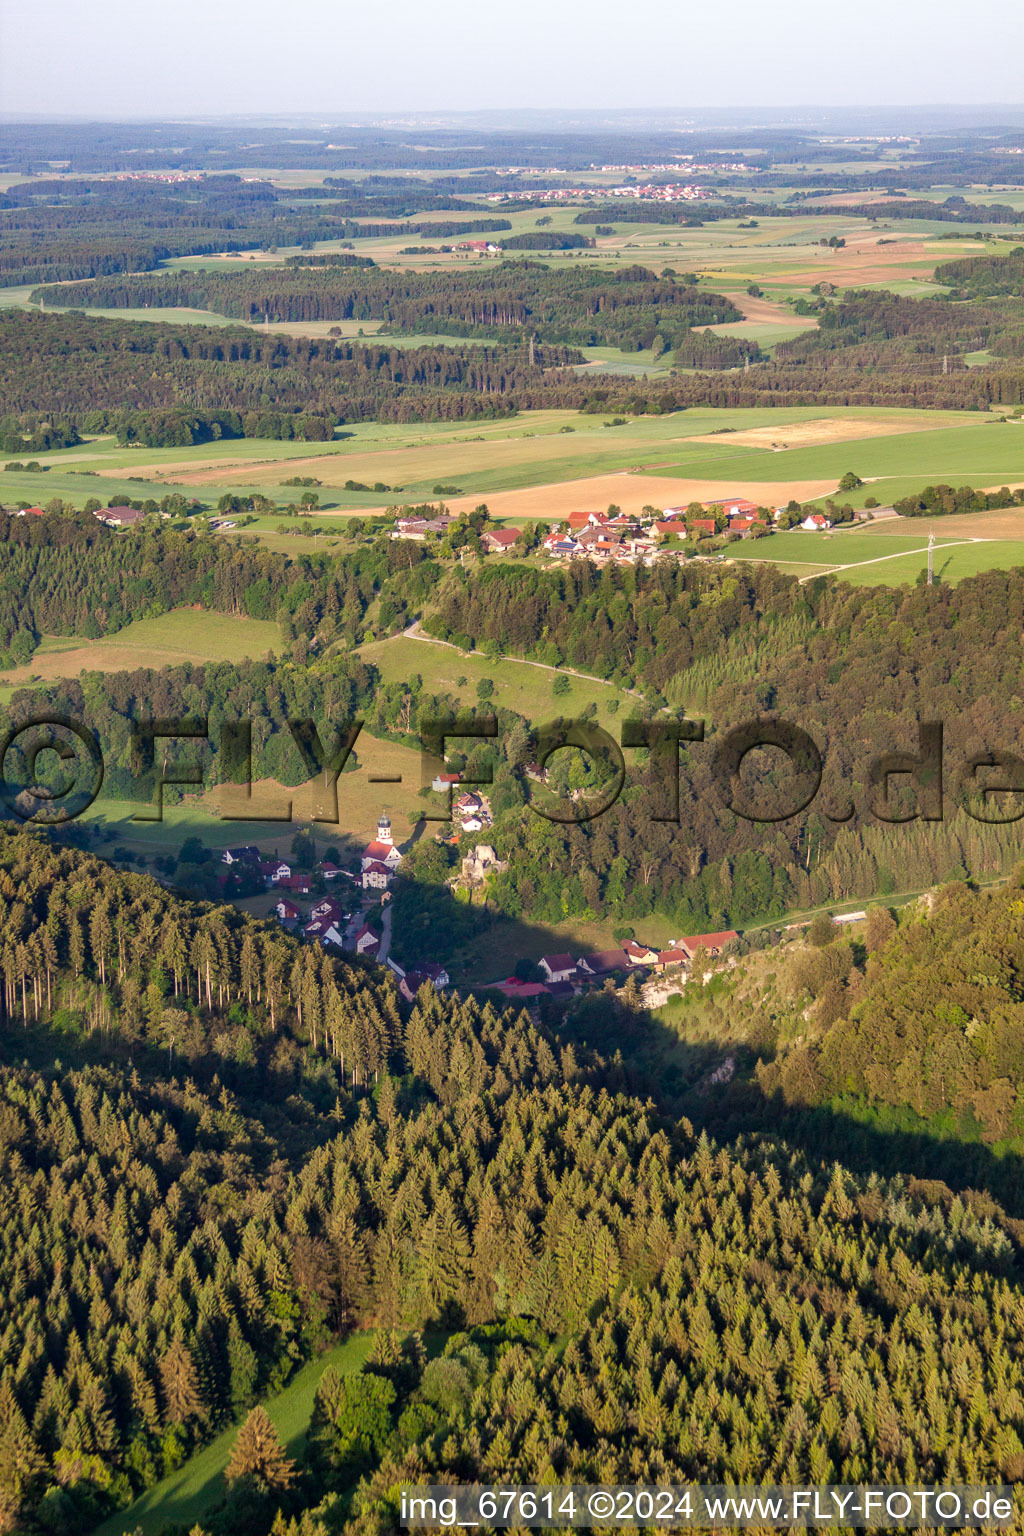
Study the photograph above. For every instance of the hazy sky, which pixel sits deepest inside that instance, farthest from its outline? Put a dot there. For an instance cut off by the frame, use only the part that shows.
(186, 57)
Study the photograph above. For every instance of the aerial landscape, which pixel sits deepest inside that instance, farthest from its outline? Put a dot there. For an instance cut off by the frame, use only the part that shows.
(511, 768)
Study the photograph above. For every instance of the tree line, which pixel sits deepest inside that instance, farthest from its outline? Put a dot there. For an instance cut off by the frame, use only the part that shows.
(628, 308)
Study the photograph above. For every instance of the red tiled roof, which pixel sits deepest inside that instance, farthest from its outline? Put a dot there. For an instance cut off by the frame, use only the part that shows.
(376, 850)
(709, 940)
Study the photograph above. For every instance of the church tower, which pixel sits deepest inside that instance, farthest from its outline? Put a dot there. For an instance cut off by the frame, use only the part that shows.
(384, 828)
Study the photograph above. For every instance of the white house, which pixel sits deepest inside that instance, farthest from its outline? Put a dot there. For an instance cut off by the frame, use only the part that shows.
(247, 855)
(558, 967)
(816, 523)
(367, 942)
(376, 876)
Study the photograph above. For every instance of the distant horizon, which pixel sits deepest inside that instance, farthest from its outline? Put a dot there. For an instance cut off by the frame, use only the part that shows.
(653, 118)
(230, 58)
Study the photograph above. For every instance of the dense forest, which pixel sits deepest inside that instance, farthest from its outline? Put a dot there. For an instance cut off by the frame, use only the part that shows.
(89, 368)
(249, 1148)
(985, 277)
(904, 1031)
(85, 368)
(56, 231)
(628, 308)
(72, 576)
(857, 668)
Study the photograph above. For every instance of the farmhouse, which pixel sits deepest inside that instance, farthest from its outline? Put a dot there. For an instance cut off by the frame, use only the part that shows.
(816, 523)
(702, 525)
(711, 943)
(733, 506)
(605, 963)
(119, 517)
(274, 870)
(500, 541)
(249, 854)
(287, 911)
(297, 884)
(558, 967)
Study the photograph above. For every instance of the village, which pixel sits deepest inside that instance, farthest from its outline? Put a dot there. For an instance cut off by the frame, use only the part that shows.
(616, 537)
(342, 921)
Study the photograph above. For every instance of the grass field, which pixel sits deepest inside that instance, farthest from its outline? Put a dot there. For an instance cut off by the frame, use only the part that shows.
(182, 1499)
(360, 802)
(543, 465)
(518, 685)
(895, 451)
(892, 554)
(951, 564)
(181, 635)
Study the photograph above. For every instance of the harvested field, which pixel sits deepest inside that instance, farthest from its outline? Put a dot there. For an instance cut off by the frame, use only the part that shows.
(630, 492)
(764, 312)
(1005, 524)
(809, 434)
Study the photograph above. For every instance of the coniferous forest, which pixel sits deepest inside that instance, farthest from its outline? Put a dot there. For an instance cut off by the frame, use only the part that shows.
(246, 1149)
(744, 1204)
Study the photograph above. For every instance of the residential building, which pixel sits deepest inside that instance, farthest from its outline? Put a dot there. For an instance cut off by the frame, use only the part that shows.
(558, 967)
(426, 971)
(376, 876)
(711, 943)
(367, 942)
(248, 854)
(499, 541)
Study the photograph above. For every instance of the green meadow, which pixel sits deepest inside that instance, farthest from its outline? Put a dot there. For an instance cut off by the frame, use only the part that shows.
(951, 563)
(522, 686)
(980, 449)
(183, 1498)
(518, 453)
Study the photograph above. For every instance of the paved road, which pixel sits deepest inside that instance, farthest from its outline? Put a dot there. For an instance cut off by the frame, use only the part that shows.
(385, 933)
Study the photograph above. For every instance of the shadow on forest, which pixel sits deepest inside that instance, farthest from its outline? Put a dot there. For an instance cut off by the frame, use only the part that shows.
(642, 1053)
